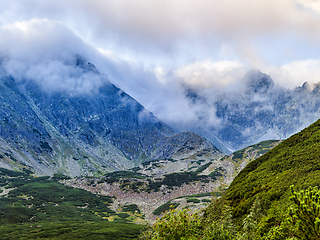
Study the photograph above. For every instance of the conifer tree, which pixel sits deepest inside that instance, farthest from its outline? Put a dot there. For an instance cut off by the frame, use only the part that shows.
(305, 213)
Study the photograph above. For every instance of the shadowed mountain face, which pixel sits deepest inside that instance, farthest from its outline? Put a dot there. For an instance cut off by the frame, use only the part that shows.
(259, 111)
(82, 134)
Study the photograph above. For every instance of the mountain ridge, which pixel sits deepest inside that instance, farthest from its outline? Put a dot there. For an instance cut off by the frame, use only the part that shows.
(82, 133)
(259, 110)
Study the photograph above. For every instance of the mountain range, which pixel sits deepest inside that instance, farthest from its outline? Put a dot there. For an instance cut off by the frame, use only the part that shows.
(83, 134)
(103, 130)
(259, 110)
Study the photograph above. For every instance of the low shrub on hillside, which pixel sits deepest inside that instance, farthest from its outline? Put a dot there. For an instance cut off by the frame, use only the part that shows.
(193, 200)
(165, 207)
(301, 221)
(184, 225)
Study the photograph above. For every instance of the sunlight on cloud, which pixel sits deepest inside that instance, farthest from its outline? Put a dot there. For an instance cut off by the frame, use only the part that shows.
(37, 40)
(46, 52)
(208, 74)
(312, 4)
(159, 31)
(296, 73)
(161, 74)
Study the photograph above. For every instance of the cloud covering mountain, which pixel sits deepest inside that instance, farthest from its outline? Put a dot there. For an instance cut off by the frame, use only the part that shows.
(155, 50)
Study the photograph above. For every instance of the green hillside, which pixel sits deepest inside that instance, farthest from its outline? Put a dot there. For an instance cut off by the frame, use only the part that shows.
(41, 207)
(296, 161)
(275, 197)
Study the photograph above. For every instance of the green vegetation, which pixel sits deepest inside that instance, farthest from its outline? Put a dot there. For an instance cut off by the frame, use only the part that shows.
(200, 195)
(176, 225)
(260, 204)
(133, 208)
(177, 179)
(238, 154)
(265, 144)
(41, 207)
(216, 173)
(44, 199)
(165, 207)
(116, 176)
(262, 148)
(202, 168)
(133, 181)
(193, 200)
(300, 221)
(305, 213)
(190, 198)
(70, 230)
(294, 161)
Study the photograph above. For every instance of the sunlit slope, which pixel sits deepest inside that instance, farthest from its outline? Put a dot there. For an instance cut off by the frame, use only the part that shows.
(294, 161)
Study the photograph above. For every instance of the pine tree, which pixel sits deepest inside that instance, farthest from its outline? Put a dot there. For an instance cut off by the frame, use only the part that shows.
(305, 213)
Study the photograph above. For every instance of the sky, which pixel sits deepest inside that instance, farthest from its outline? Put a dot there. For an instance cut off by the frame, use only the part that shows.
(154, 49)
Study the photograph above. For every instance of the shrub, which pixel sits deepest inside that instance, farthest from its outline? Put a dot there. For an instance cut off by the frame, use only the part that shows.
(175, 225)
(165, 207)
(305, 213)
(193, 200)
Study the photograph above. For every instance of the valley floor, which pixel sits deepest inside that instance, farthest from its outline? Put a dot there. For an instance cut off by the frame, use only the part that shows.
(147, 202)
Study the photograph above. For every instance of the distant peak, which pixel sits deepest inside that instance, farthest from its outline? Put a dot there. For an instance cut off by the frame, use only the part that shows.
(315, 87)
(85, 65)
(258, 82)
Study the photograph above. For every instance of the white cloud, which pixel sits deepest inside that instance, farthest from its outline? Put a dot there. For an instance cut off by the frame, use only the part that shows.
(151, 48)
(296, 73)
(45, 51)
(38, 40)
(208, 74)
(168, 30)
(311, 4)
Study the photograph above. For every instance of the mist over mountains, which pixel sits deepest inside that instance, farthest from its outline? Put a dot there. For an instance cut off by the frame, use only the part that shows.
(70, 118)
(258, 111)
(83, 132)
(212, 99)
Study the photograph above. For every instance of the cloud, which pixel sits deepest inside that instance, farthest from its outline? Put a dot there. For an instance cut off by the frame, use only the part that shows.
(45, 51)
(38, 40)
(153, 50)
(295, 73)
(311, 4)
(175, 30)
(221, 75)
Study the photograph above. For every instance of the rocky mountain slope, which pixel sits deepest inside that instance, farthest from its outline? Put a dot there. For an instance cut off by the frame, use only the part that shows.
(154, 186)
(259, 110)
(83, 133)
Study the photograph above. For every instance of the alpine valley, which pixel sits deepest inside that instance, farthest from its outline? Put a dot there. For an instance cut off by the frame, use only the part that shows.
(100, 156)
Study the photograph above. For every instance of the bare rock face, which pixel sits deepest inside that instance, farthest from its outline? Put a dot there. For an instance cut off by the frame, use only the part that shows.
(258, 82)
(82, 133)
(258, 111)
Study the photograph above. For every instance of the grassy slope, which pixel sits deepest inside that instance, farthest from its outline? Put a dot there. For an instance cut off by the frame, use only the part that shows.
(70, 230)
(295, 161)
(41, 207)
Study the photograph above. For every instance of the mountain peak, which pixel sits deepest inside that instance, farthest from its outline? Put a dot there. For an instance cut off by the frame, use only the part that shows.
(258, 82)
(85, 65)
